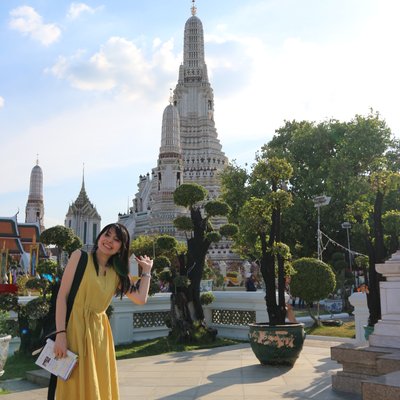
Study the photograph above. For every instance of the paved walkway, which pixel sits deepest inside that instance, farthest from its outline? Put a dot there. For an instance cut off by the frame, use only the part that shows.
(231, 373)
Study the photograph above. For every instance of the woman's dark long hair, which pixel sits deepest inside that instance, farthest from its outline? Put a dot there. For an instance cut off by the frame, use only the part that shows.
(119, 261)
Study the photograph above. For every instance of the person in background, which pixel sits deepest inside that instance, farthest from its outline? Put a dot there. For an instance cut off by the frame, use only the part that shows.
(250, 283)
(88, 332)
(289, 309)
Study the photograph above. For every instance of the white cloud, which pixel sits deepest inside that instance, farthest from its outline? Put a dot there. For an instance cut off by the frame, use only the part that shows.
(120, 66)
(27, 21)
(302, 79)
(104, 135)
(76, 9)
(1, 102)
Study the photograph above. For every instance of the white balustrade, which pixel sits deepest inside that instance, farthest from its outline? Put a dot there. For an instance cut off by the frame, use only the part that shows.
(230, 313)
(361, 313)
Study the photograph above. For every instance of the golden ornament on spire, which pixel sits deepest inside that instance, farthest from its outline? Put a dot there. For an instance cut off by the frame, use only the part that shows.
(194, 9)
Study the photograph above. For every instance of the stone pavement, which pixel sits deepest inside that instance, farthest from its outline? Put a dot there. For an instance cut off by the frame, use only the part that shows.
(230, 372)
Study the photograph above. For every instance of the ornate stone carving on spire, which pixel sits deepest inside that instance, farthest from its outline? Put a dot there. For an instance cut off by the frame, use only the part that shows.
(194, 9)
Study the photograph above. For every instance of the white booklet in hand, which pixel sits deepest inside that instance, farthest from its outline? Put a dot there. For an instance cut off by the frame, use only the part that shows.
(61, 367)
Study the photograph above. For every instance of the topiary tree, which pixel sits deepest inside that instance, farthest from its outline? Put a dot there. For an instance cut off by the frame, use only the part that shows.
(200, 234)
(314, 280)
(163, 249)
(63, 238)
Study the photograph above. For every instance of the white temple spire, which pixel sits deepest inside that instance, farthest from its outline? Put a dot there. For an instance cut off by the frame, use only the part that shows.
(34, 211)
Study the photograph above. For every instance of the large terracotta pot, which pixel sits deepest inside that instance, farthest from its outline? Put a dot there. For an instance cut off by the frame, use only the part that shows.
(278, 344)
(4, 343)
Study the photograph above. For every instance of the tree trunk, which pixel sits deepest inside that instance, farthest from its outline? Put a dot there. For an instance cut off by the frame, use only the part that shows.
(317, 321)
(281, 312)
(186, 324)
(276, 312)
(376, 252)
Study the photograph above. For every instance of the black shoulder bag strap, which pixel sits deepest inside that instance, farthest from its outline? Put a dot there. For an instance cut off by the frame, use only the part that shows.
(80, 270)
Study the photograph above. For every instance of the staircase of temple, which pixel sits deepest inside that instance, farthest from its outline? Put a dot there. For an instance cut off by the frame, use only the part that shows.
(373, 372)
(385, 387)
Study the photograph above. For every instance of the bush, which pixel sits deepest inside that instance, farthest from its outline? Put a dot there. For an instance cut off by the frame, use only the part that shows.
(314, 280)
(206, 298)
(3, 323)
(161, 263)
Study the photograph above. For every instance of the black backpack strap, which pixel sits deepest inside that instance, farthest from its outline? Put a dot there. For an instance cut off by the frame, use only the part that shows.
(51, 392)
(80, 270)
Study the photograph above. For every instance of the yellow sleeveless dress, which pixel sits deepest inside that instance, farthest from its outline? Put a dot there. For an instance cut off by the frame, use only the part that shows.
(89, 335)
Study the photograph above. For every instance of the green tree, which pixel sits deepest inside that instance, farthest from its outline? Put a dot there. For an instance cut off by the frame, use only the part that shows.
(144, 245)
(235, 189)
(367, 215)
(332, 158)
(391, 224)
(186, 286)
(273, 174)
(260, 224)
(313, 281)
(164, 250)
(61, 237)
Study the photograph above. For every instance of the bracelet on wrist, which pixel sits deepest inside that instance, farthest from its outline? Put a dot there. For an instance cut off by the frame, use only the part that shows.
(62, 331)
(146, 274)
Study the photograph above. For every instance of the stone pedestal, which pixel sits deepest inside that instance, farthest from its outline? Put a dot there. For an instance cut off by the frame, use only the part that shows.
(359, 301)
(374, 371)
(387, 330)
(361, 363)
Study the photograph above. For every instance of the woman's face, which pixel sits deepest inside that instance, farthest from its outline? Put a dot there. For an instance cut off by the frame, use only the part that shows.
(109, 243)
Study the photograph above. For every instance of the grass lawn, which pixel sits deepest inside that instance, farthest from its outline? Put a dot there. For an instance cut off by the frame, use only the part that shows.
(18, 364)
(163, 345)
(347, 330)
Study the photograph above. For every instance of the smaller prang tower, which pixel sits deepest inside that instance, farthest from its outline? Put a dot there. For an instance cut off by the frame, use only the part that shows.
(167, 176)
(34, 211)
(83, 218)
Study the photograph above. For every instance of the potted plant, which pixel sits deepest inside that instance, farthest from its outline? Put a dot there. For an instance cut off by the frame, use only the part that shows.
(5, 339)
(275, 341)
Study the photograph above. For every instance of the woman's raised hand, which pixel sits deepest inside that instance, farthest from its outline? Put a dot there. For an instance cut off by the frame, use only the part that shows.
(146, 263)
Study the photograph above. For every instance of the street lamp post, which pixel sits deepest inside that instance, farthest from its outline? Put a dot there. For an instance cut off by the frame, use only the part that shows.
(347, 225)
(320, 201)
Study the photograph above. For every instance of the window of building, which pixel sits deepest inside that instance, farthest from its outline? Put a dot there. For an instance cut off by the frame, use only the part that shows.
(94, 232)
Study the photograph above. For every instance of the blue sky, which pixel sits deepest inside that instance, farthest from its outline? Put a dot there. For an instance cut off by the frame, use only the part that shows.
(87, 82)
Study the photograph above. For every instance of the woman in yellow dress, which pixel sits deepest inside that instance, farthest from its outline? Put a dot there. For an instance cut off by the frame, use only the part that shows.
(88, 332)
